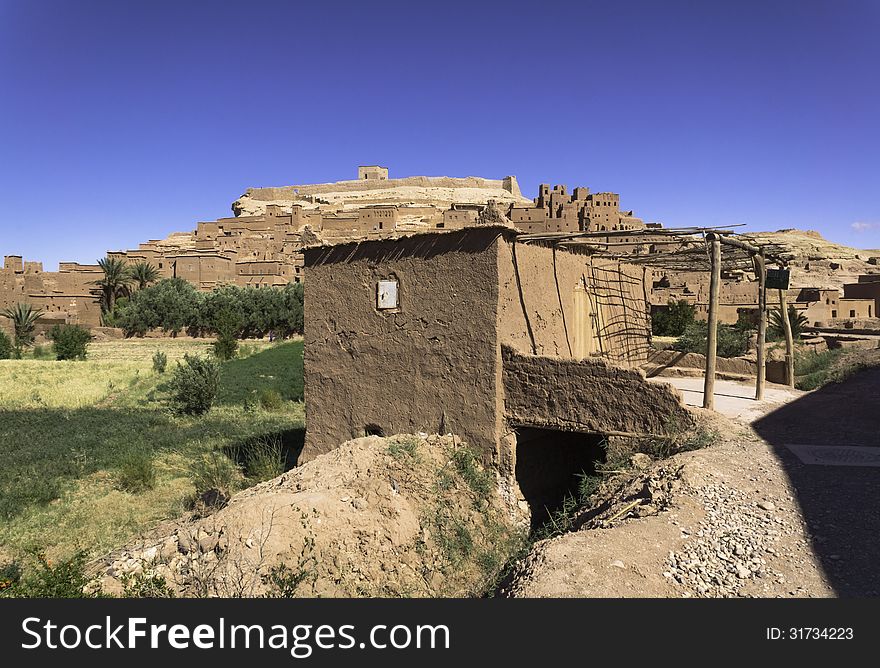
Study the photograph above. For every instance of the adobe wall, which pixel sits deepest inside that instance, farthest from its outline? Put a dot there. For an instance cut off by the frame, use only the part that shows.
(403, 369)
(864, 290)
(538, 298)
(590, 395)
(674, 358)
(292, 192)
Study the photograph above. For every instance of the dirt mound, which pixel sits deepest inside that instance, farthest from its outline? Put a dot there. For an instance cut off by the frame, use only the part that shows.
(398, 516)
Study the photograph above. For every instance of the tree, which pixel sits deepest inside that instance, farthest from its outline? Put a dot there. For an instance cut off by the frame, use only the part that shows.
(115, 283)
(776, 326)
(674, 319)
(24, 322)
(731, 341)
(144, 274)
(171, 304)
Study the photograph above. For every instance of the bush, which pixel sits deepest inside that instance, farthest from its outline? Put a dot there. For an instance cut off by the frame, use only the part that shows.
(225, 347)
(70, 341)
(732, 341)
(137, 473)
(263, 458)
(214, 471)
(65, 579)
(40, 353)
(194, 385)
(160, 361)
(271, 400)
(673, 320)
(6, 348)
(227, 323)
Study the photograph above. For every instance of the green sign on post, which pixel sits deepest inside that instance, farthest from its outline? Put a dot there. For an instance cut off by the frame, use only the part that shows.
(778, 279)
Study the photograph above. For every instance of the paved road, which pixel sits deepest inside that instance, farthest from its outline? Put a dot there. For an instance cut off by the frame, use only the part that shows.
(732, 398)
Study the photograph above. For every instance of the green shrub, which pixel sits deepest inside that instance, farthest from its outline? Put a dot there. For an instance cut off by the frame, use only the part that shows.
(70, 341)
(271, 400)
(672, 320)
(732, 341)
(40, 353)
(194, 384)
(263, 458)
(64, 579)
(225, 347)
(214, 471)
(6, 348)
(160, 361)
(146, 585)
(137, 472)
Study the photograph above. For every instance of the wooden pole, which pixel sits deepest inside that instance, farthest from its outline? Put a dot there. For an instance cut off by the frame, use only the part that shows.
(712, 334)
(789, 340)
(761, 272)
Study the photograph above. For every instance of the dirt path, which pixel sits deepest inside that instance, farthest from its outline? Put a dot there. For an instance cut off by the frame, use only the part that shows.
(748, 517)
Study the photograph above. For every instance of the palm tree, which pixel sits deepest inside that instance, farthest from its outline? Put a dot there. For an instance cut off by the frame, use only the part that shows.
(144, 273)
(117, 278)
(776, 327)
(24, 321)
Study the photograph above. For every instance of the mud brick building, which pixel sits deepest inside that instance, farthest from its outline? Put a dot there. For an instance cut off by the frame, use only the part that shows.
(515, 347)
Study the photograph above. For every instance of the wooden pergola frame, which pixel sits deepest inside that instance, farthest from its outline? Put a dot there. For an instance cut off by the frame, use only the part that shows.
(696, 249)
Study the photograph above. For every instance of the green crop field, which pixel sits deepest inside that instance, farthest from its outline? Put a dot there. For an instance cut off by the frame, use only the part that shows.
(72, 432)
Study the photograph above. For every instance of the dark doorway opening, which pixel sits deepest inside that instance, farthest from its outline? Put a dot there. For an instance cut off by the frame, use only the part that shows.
(550, 465)
(373, 429)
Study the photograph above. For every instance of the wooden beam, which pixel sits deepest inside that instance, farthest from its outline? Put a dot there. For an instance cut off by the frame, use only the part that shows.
(736, 243)
(712, 334)
(761, 273)
(789, 340)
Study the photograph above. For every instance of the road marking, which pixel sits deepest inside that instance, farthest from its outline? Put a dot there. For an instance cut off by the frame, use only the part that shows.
(836, 455)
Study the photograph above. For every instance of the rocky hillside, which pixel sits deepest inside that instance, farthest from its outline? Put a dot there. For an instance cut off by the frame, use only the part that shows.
(819, 263)
(440, 191)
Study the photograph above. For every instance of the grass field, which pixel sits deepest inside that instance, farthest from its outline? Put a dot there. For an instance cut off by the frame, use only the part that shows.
(70, 430)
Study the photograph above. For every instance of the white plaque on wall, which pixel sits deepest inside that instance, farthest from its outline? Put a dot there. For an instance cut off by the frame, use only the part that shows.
(386, 294)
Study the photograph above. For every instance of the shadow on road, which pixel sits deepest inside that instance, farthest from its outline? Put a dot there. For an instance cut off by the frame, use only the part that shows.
(841, 504)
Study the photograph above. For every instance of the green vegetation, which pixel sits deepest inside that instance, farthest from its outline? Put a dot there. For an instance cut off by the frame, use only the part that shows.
(194, 385)
(6, 349)
(24, 321)
(144, 274)
(70, 342)
(115, 283)
(673, 320)
(230, 312)
(776, 325)
(92, 456)
(65, 579)
(169, 305)
(137, 472)
(816, 369)
(732, 339)
(278, 368)
(160, 361)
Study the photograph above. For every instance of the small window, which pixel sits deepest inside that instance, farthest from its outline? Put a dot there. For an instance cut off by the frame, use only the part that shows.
(833, 314)
(852, 313)
(386, 295)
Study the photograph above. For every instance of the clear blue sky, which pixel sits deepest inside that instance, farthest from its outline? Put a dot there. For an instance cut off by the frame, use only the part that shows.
(124, 121)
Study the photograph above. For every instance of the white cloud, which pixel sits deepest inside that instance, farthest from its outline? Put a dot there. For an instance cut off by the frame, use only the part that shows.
(864, 227)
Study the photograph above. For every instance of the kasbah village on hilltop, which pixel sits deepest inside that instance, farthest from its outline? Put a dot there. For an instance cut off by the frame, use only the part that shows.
(497, 396)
